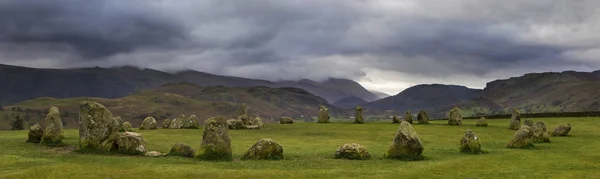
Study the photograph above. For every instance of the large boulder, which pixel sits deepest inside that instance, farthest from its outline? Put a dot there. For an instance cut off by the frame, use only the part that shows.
(423, 117)
(515, 120)
(395, 120)
(166, 123)
(35, 133)
(522, 138)
(407, 145)
(264, 149)
(182, 149)
(352, 151)
(470, 143)
(455, 118)
(481, 122)
(53, 133)
(562, 130)
(540, 134)
(323, 114)
(358, 117)
(97, 127)
(408, 117)
(191, 122)
(131, 143)
(286, 120)
(149, 123)
(126, 127)
(216, 143)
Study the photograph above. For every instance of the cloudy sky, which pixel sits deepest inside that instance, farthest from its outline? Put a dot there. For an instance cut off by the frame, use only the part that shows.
(386, 45)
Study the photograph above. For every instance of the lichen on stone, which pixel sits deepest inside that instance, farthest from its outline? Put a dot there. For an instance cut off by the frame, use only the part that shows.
(352, 151)
(191, 122)
(406, 144)
(53, 133)
(358, 116)
(181, 149)
(97, 127)
(35, 133)
(455, 118)
(286, 120)
(323, 114)
(522, 138)
(395, 120)
(562, 130)
(540, 134)
(408, 117)
(216, 142)
(127, 127)
(423, 117)
(131, 143)
(470, 143)
(149, 123)
(481, 122)
(264, 149)
(515, 120)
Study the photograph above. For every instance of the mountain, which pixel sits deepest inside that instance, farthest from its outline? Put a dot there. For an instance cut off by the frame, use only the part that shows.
(22, 83)
(379, 94)
(349, 102)
(171, 100)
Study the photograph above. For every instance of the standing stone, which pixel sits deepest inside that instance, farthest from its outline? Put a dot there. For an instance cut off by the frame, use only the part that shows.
(235, 124)
(216, 143)
(352, 151)
(53, 134)
(540, 134)
(407, 145)
(149, 123)
(242, 114)
(515, 120)
(182, 149)
(562, 130)
(470, 143)
(481, 122)
(177, 123)
(191, 122)
(166, 123)
(127, 127)
(323, 114)
(455, 118)
(286, 120)
(395, 120)
(264, 149)
(97, 128)
(528, 122)
(522, 138)
(408, 117)
(131, 143)
(35, 133)
(119, 123)
(423, 117)
(358, 117)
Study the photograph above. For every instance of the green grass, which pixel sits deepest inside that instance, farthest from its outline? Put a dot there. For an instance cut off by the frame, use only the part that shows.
(309, 149)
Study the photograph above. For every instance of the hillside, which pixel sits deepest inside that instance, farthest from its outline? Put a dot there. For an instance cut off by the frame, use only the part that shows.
(379, 94)
(22, 83)
(349, 102)
(171, 100)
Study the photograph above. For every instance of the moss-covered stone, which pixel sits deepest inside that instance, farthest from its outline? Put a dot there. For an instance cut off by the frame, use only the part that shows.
(119, 123)
(181, 149)
(481, 122)
(35, 133)
(258, 122)
(131, 143)
(562, 130)
(149, 123)
(53, 133)
(242, 114)
(407, 145)
(515, 120)
(455, 118)
(264, 149)
(395, 120)
(528, 122)
(522, 138)
(540, 134)
(97, 127)
(235, 124)
(423, 117)
(323, 114)
(408, 117)
(177, 123)
(352, 151)
(286, 120)
(166, 123)
(216, 143)
(191, 122)
(127, 127)
(470, 143)
(358, 116)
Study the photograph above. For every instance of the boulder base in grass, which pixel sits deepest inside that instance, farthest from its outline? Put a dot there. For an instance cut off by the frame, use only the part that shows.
(352, 152)
(53, 133)
(358, 116)
(522, 138)
(408, 117)
(407, 145)
(97, 127)
(286, 120)
(455, 118)
(423, 117)
(481, 122)
(191, 122)
(127, 127)
(264, 149)
(216, 143)
(515, 120)
(153, 154)
(540, 134)
(149, 123)
(131, 143)
(323, 114)
(35, 133)
(182, 149)
(562, 130)
(470, 143)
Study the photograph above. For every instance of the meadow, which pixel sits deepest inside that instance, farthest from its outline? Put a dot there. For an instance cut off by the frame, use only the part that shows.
(309, 149)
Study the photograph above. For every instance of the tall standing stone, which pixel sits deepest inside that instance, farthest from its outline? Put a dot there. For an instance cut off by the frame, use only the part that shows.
(562, 130)
(35, 133)
(515, 120)
(455, 118)
(149, 123)
(53, 133)
(407, 145)
(522, 138)
(358, 117)
(216, 143)
(408, 117)
(323, 114)
(97, 128)
(470, 143)
(423, 117)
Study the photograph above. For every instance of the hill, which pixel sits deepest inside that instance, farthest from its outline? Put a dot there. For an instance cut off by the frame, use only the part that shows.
(349, 102)
(171, 100)
(381, 95)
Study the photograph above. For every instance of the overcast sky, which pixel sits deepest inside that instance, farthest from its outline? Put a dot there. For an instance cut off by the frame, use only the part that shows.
(386, 45)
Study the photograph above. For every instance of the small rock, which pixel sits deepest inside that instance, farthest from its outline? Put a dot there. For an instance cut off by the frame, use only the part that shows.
(522, 138)
(407, 145)
(264, 149)
(470, 143)
(423, 117)
(153, 154)
(481, 122)
(35, 133)
(395, 120)
(562, 130)
(131, 143)
(182, 149)
(352, 152)
(257, 121)
(235, 124)
(191, 122)
(286, 120)
(149, 123)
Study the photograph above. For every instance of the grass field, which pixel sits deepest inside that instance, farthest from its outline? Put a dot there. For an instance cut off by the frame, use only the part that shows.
(309, 148)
